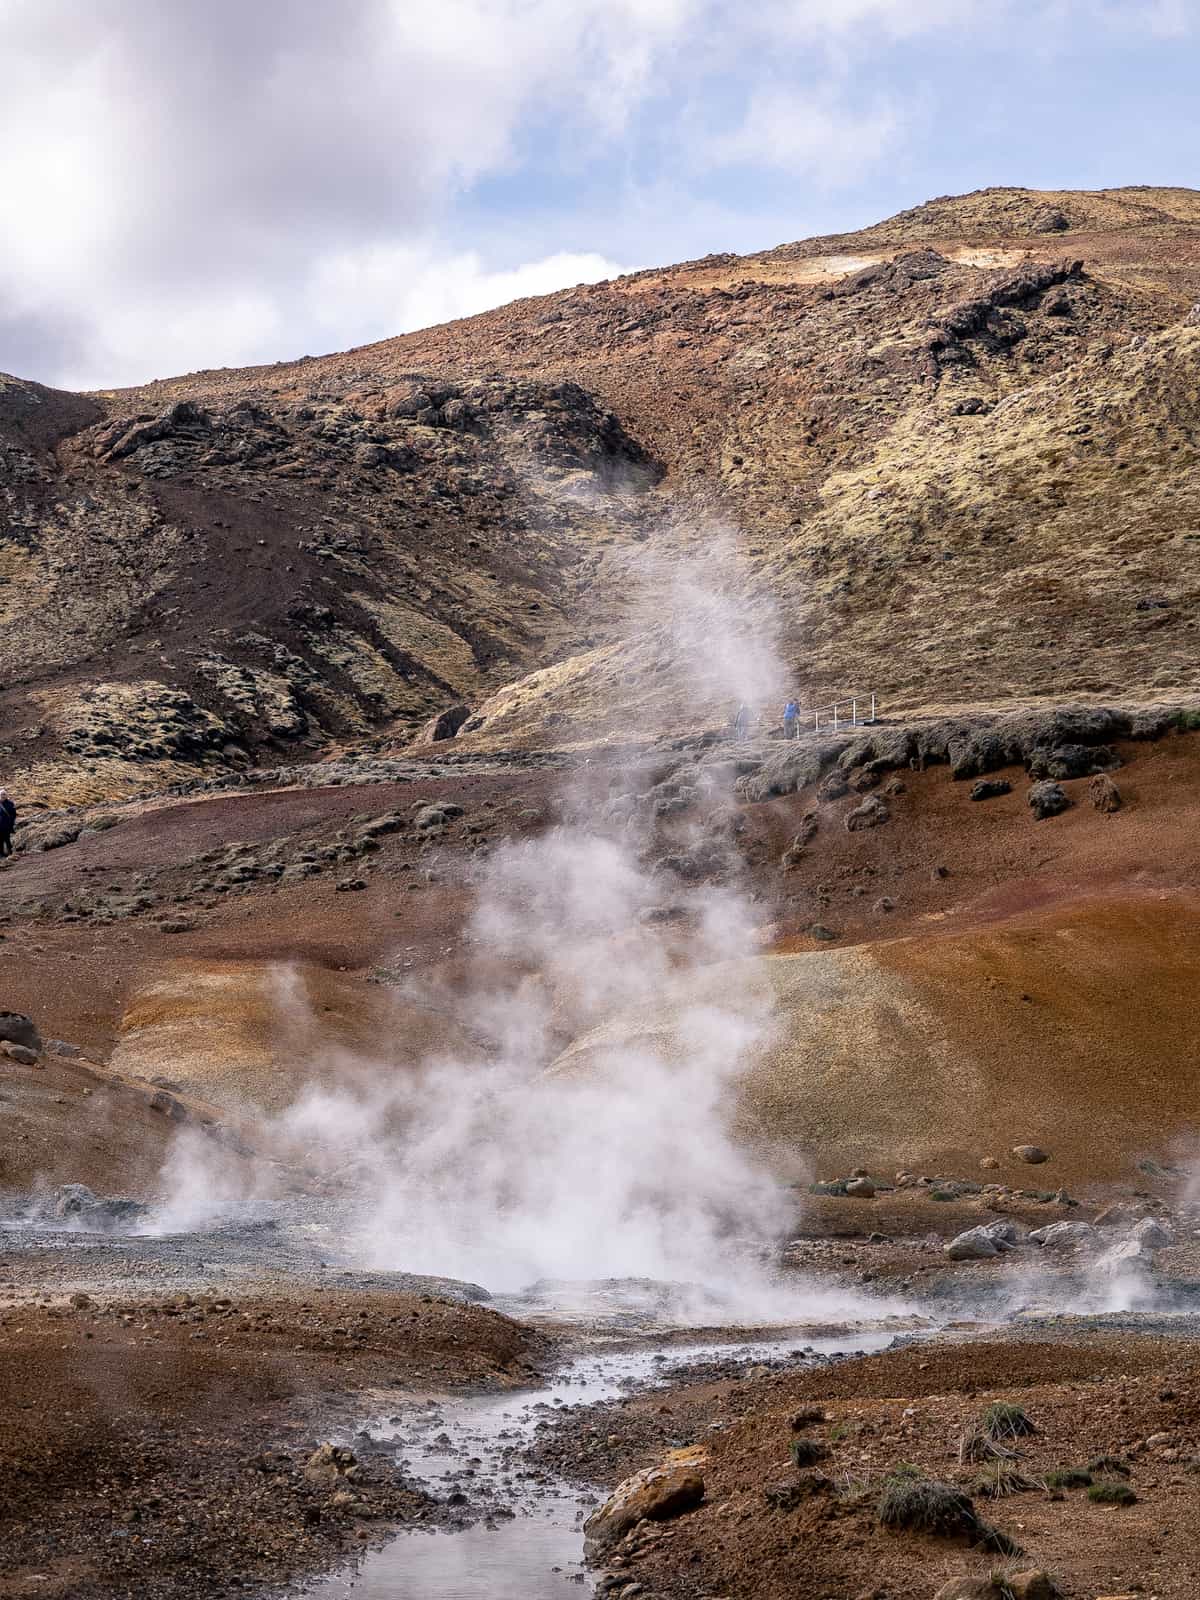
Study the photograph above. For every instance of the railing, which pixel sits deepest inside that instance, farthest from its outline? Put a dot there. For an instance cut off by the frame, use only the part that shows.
(835, 713)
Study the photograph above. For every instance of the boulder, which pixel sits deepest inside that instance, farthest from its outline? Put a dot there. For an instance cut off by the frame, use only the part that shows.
(861, 1188)
(17, 1028)
(1104, 794)
(870, 814)
(1047, 799)
(327, 1465)
(74, 1198)
(20, 1053)
(1072, 761)
(976, 1244)
(444, 726)
(655, 1495)
(1151, 1234)
(990, 788)
(1031, 1153)
(1066, 1236)
(1124, 1257)
(437, 814)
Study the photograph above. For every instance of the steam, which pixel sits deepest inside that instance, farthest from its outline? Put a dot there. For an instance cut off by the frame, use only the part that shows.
(504, 1164)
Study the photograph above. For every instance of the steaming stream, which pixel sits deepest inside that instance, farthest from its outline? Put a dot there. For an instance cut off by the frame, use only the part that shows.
(529, 1544)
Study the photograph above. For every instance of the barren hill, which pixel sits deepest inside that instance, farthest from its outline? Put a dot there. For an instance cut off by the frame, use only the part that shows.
(955, 454)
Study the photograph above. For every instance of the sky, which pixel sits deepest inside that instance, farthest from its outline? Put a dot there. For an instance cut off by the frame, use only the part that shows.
(200, 183)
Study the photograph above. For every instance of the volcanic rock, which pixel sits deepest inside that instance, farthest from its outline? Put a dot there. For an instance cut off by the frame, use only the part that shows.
(1047, 799)
(656, 1494)
(20, 1029)
(1104, 794)
(990, 788)
(870, 814)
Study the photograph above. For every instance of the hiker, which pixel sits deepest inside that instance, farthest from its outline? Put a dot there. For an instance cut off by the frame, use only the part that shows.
(790, 713)
(741, 721)
(8, 821)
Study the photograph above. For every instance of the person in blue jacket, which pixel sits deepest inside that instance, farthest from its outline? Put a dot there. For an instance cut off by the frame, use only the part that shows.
(791, 712)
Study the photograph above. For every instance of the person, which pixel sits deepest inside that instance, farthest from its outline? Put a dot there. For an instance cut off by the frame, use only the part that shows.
(8, 821)
(741, 721)
(790, 712)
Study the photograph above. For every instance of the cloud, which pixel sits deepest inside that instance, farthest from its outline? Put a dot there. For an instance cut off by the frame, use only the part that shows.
(815, 137)
(212, 181)
(179, 179)
(393, 288)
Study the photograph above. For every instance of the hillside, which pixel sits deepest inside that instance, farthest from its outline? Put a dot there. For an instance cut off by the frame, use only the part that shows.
(951, 458)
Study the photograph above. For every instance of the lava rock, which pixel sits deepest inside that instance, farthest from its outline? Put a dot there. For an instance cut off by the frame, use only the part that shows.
(1104, 794)
(870, 814)
(1047, 799)
(17, 1028)
(990, 788)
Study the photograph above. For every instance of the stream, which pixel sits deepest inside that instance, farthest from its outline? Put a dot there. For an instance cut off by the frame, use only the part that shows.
(528, 1544)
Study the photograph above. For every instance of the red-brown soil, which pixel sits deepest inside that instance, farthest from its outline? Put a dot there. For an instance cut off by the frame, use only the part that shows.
(1105, 1395)
(157, 1449)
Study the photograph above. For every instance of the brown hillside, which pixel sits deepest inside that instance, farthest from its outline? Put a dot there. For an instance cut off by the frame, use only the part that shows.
(956, 452)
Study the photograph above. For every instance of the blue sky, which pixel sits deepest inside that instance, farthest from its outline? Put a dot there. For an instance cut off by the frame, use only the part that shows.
(216, 182)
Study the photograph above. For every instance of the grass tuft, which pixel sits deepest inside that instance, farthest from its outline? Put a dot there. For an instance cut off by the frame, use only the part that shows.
(1001, 1481)
(1068, 1478)
(807, 1452)
(1108, 1467)
(923, 1505)
(1111, 1494)
(1003, 1420)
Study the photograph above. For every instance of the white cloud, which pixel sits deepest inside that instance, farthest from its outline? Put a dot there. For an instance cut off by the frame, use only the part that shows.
(224, 181)
(810, 136)
(391, 289)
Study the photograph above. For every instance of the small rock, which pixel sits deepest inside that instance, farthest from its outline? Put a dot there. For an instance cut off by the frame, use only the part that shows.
(990, 788)
(1031, 1153)
(1047, 799)
(327, 1464)
(819, 931)
(21, 1054)
(989, 1162)
(861, 1188)
(1104, 794)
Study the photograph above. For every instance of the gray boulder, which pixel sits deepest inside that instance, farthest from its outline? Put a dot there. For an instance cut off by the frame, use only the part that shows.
(990, 788)
(870, 814)
(17, 1028)
(1151, 1234)
(1066, 1236)
(74, 1198)
(1047, 799)
(1072, 761)
(981, 1244)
